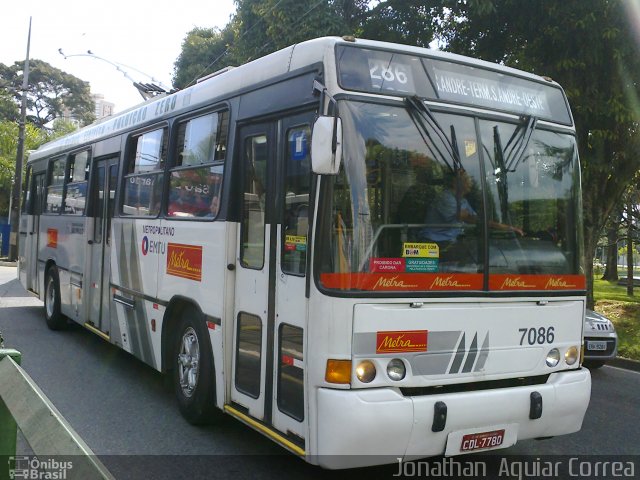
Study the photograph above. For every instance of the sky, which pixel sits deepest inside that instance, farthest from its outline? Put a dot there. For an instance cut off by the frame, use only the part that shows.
(139, 36)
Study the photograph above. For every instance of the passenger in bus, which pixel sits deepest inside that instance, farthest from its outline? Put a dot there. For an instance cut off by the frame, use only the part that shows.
(186, 203)
(450, 212)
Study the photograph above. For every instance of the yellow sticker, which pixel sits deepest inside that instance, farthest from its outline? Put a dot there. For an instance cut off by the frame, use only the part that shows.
(420, 250)
(296, 239)
(470, 147)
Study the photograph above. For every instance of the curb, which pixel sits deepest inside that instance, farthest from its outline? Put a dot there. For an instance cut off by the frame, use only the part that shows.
(625, 363)
(8, 264)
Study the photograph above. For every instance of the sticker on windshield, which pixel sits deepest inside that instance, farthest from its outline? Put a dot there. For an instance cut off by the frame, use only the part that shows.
(422, 265)
(470, 148)
(298, 145)
(420, 250)
(295, 242)
(387, 265)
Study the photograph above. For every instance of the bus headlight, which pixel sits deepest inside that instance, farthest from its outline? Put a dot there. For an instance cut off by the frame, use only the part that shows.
(553, 357)
(366, 371)
(571, 355)
(396, 370)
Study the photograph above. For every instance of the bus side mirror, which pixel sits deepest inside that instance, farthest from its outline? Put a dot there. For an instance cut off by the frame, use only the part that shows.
(326, 145)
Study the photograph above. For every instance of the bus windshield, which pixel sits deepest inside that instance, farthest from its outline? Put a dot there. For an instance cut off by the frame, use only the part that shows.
(491, 204)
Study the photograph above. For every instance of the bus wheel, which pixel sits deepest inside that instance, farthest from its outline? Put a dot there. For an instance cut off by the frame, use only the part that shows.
(53, 315)
(193, 373)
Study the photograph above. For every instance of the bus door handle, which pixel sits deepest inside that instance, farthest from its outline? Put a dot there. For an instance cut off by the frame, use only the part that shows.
(90, 242)
(231, 267)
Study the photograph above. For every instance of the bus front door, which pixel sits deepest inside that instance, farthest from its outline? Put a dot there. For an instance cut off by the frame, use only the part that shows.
(104, 181)
(37, 196)
(270, 303)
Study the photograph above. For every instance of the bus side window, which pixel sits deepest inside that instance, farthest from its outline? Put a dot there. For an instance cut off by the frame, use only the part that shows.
(55, 184)
(144, 173)
(26, 192)
(253, 218)
(195, 180)
(296, 200)
(76, 182)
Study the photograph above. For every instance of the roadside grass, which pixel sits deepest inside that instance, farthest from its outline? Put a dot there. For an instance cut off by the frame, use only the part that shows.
(624, 311)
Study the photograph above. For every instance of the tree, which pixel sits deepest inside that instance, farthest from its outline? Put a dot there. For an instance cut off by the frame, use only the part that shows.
(589, 48)
(611, 247)
(34, 137)
(51, 92)
(264, 26)
(201, 49)
(400, 21)
(260, 27)
(8, 108)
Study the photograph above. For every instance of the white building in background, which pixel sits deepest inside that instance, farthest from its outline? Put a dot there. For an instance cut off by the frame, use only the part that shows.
(103, 107)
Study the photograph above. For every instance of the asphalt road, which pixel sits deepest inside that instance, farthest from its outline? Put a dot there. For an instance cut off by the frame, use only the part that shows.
(124, 412)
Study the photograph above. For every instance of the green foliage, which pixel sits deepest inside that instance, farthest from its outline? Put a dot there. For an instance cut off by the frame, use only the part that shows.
(624, 311)
(8, 108)
(34, 137)
(401, 21)
(260, 27)
(200, 49)
(50, 92)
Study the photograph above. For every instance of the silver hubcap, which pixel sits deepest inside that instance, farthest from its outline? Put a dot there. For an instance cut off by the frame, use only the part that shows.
(188, 360)
(50, 298)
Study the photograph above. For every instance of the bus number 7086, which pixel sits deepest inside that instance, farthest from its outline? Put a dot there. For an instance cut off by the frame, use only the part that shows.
(538, 336)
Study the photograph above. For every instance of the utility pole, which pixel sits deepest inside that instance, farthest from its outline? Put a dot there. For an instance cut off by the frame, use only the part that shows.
(14, 219)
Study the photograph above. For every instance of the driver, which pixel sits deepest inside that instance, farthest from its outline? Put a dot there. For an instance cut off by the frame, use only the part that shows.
(451, 209)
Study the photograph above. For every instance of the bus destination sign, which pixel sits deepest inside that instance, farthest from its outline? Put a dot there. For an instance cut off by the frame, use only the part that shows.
(491, 92)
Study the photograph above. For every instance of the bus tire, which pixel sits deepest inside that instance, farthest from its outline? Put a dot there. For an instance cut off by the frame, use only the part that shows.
(52, 313)
(192, 369)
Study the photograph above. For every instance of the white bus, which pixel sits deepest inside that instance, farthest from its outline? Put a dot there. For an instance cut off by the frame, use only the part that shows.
(365, 251)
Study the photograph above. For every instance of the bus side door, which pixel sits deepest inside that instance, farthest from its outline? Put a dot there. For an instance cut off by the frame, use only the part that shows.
(33, 228)
(104, 181)
(270, 304)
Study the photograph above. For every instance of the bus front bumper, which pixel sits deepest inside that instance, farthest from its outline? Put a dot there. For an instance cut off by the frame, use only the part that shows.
(379, 426)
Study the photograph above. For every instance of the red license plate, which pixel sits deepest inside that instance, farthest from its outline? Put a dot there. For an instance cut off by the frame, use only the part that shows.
(480, 441)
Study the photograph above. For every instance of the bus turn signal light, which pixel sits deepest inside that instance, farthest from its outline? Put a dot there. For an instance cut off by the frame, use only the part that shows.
(338, 371)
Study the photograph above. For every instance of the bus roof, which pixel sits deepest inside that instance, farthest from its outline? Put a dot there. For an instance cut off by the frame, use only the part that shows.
(244, 77)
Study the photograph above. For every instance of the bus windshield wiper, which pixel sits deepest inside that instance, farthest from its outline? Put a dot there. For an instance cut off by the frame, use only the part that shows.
(508, 158)
(426, 123)
(517, 144)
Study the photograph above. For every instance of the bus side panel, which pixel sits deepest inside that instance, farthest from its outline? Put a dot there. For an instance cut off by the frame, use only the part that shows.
(26, 222)
(62, 241)
(134, 282)
(193, 266)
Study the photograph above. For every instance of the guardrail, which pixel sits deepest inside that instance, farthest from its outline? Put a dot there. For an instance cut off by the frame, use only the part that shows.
(54, 442)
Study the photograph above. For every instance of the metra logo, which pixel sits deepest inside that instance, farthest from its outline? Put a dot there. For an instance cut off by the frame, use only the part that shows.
(392, 282)
(515, 282)
(448, 282)
(402, 341)
(558, 283)
(184, 261)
